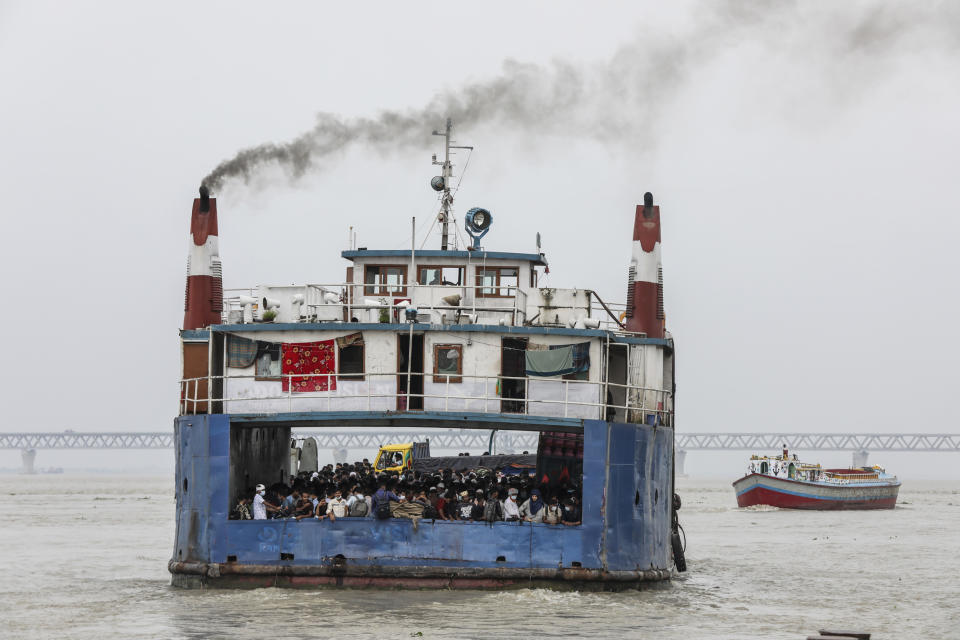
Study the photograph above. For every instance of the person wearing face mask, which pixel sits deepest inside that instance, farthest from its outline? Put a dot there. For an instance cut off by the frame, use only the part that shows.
(552, 512)
(259, 507)
(511, 511)
(532, 508)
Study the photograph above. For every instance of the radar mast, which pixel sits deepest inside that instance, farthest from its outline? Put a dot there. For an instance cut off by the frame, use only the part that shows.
(442, 182)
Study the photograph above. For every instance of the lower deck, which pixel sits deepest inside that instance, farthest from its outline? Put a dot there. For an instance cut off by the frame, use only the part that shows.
(623, 538)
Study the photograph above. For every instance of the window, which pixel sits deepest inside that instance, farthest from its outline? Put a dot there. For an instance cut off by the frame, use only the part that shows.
(533, 278)
(385, 280)
(497, 282)
(447, 363)
(350, 355)
(268, 361)
(437, 275)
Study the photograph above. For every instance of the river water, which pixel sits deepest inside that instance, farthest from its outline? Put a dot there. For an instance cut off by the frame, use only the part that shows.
(85, 557)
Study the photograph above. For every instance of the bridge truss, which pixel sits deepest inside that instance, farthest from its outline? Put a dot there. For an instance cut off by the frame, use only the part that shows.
(478, 440)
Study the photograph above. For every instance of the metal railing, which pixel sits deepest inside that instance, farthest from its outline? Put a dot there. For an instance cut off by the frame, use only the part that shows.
(387, 301)
(481, 303)
(640, 403)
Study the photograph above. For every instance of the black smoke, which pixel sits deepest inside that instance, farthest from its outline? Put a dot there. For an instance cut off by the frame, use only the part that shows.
(623, 97)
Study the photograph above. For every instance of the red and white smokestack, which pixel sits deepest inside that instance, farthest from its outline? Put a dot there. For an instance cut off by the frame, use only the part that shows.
(204, 299)
(645, 284)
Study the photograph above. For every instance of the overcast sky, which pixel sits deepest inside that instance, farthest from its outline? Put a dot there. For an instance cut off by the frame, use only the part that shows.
(805, 159)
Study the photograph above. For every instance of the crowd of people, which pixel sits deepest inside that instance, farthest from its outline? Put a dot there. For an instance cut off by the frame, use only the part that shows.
(356, 491)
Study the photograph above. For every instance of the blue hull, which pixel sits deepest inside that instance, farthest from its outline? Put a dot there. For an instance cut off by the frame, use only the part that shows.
(624, 539)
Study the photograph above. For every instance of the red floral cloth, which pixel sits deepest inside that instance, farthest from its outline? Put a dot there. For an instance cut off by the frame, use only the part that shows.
(310, 360)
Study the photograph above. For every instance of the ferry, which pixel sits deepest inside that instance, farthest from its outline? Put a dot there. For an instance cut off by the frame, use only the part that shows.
(460, 337)
(786, 482)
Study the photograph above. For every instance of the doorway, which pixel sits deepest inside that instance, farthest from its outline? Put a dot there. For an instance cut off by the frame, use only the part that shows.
(513, 363)
(617, 383)
(416, 373)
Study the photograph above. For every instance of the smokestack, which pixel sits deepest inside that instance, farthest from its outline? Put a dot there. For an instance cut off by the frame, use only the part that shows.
(204, 299)
(645, 282)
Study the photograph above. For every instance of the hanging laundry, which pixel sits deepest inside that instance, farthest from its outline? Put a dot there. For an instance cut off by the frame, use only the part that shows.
(581, 355)
(241, 352)
(553, 362)
(308, 362)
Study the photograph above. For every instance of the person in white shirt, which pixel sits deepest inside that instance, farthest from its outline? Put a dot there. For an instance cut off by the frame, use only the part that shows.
(511, 510)
(259, 508)
(336, 506)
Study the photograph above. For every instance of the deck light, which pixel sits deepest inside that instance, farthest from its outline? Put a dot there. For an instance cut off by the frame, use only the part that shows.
(477, 223)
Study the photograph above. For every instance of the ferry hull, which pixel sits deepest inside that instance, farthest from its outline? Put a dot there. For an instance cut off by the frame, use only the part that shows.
(759, 489)
(624, 541)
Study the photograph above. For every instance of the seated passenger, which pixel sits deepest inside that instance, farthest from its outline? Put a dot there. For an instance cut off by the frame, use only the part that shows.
(532, 509)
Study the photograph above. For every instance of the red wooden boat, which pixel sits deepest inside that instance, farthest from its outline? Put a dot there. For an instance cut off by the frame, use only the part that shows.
(784, 481)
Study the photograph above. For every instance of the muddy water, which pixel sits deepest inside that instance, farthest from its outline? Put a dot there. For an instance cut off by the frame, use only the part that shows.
(85, 557)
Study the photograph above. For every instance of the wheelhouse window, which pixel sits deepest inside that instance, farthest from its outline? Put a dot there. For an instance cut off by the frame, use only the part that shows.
(437, 275)
(385, 280)
(497, 282)
(447, 363)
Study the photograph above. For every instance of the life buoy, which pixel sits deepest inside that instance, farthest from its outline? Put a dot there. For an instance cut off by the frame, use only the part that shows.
(623, 315)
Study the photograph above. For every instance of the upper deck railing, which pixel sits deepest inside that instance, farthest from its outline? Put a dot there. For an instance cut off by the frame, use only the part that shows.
(374, 302)
(455, 394)
(477, 304)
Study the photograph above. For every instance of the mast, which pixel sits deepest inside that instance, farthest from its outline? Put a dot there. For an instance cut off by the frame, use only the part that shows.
(442, 182)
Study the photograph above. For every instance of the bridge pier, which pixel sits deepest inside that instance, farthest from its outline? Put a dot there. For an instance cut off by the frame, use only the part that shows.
(860, 458)
(679, 458)
(28, 457)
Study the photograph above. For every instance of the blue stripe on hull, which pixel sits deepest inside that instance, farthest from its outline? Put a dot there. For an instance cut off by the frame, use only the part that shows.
(814, 496)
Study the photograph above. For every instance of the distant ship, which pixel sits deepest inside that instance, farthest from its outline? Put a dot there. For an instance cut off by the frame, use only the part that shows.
(783, 481)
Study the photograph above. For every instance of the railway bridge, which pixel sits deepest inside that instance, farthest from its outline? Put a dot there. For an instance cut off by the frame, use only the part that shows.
(342, 441)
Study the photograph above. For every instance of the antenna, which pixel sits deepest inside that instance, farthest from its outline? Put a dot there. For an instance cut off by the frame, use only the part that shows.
(442, 182)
